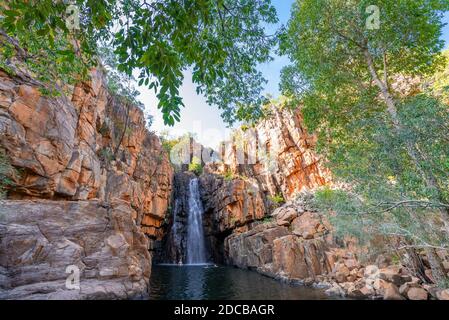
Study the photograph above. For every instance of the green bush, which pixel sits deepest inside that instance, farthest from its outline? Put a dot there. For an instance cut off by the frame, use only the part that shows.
(228, 175)
(106, 155)
(277, 199)
(267, 219)
(195, 166)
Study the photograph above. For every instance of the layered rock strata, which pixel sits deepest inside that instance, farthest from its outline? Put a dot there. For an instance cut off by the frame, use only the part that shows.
(47, 244)
(82, 150)
(278, 153)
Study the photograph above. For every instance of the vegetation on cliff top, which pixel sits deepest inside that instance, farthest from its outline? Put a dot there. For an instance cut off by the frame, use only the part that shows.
(195, 166)
(391, 147)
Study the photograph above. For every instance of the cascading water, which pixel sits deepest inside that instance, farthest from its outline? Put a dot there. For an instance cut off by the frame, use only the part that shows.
(196, 252)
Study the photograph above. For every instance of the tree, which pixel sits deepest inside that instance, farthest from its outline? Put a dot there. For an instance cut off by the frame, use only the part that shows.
(344, 70)
(221, 41)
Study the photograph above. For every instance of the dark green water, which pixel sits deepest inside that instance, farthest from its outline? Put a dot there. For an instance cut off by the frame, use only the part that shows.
(222, 283)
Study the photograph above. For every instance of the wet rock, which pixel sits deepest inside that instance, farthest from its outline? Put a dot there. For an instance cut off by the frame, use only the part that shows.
(335, 290)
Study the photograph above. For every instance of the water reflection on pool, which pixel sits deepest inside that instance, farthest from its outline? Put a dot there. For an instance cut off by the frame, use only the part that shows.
(173, 282)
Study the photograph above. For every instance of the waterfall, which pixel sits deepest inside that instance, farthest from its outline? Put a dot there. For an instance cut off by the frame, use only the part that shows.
(196, 253)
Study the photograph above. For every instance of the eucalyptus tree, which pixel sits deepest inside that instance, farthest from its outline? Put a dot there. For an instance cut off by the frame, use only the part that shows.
(220, 41)
(349, 58)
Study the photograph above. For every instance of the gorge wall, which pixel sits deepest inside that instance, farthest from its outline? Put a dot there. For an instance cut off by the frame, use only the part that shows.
(260, 168)
(91, 188)
(259, 214)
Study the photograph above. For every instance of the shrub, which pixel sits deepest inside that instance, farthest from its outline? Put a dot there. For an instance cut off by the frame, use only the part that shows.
(195, 166)
(277, 199)
(106, 155)
(267, 219)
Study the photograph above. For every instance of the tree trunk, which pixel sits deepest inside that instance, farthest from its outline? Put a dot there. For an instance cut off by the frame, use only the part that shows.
(429, 178)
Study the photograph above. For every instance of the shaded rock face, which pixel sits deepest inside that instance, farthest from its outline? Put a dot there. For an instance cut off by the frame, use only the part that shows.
(172, 248)
(41, 238)
(83, 151)
(229, 205)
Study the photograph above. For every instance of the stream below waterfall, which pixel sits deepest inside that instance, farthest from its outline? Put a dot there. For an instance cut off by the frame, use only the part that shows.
(171, 282)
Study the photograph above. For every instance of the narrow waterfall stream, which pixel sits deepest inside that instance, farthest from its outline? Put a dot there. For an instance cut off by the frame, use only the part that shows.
(187, 271)
(196, 252)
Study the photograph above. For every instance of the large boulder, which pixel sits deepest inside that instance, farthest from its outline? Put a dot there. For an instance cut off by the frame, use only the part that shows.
(416, 293)
(308, 225)
(391, 292)
(284, 215)
(43, 240)
(393, 275)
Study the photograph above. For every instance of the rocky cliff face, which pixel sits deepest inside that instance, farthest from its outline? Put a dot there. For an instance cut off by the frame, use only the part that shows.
(172, 248)
(83, 151)
(293, 244)
(278, 153)
(43, 241)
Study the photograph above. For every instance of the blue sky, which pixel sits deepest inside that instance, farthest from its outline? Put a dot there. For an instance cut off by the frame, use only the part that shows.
(204, 120)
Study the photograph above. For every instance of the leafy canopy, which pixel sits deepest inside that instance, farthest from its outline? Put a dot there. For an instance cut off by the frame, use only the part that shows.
(327, 41)
(221, 41)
